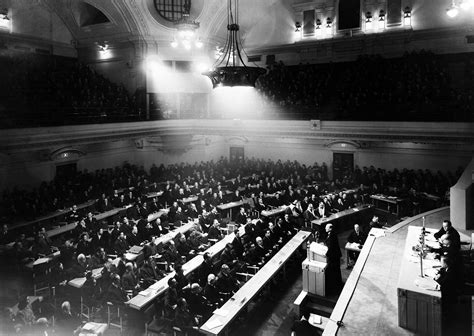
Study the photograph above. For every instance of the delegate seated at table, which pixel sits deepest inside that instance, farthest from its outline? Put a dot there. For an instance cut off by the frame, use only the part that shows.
(447, 228)
(358, 237)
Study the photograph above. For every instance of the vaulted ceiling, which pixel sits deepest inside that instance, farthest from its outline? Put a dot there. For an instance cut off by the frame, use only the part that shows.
(138, 20)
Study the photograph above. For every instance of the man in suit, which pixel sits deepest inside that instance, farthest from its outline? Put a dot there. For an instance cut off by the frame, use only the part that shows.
(447, 228)
(358, 237)
(214, 232)
(333, 255)
(133, 239)
(148, 272)
(129, 279)
(80, 268)
(91, 222)
(121, 246)
(449, 283)
(303, 327)
(115, 293)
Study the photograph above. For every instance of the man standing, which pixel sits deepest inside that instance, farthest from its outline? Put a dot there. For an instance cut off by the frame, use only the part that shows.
(333, 255)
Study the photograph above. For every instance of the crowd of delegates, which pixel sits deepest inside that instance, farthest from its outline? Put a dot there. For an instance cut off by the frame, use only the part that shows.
(43, 90)
(90, 243)
(63, 192)
(306, 190)
(414, 87)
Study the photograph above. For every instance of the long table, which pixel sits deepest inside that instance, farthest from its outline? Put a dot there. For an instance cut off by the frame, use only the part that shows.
(275, 212)
(222, 317)
(57, 213)
(338, 215)
(70, 226)
(229, 206)
(145, 297)
(419, 301)
(377, 200)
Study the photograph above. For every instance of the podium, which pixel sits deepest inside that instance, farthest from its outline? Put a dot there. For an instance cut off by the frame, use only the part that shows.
(314, 277)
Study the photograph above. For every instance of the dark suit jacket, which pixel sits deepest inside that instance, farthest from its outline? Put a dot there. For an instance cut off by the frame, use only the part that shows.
(357, 238)
(334, 252)
(303, 328)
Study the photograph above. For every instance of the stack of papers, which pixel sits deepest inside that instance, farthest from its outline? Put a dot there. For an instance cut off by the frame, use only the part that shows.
(377, 232)
(426, 283)
(315, 319)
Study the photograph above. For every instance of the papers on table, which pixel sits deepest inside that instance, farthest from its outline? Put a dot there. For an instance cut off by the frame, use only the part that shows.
(433, 244)
(431, 272)
(376, 232)
(315, 319)
(354, 245)
(221, 312)
(318, 249)
(426, 283)
(213, 323)
(92, 328)
(40, 261)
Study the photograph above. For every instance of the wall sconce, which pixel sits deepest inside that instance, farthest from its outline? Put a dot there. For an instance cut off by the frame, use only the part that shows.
(453, 10)
(407, 16)
(103, 47)
(297, 31)
(328, 22)
(297, 27)
(382, 19)
(318, 24)
(368, 21)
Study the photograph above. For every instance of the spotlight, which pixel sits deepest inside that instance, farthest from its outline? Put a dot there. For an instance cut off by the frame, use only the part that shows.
(452, 11)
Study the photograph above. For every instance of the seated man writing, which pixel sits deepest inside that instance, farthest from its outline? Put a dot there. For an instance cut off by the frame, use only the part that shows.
(355, 237)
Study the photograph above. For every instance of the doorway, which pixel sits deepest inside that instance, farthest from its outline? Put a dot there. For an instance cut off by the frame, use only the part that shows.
(236, 154)
(342, 165)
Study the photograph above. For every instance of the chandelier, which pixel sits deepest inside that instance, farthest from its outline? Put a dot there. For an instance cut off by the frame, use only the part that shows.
(187, 28)
(230, 68)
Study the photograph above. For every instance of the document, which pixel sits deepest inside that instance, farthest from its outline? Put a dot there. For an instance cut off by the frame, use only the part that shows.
(221, 312)
(377, 232)
(213, 323)
(315, 319)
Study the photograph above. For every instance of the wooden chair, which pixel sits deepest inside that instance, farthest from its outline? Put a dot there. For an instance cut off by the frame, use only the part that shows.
(41, 279)
(114, 316)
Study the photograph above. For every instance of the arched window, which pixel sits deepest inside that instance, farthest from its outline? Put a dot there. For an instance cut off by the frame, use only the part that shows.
(173, 10)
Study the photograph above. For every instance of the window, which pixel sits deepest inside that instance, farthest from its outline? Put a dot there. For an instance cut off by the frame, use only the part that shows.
(308, 23)
(173, 10)
(349, 14)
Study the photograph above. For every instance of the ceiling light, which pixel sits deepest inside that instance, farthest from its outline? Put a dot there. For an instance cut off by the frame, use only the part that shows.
(230, 68)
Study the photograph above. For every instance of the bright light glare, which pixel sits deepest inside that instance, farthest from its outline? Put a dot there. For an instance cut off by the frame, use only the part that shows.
(174, 44)
(186, 44)
(201, 67)
(452, 12)
(236, 101)
(198, 44)
(466, 4)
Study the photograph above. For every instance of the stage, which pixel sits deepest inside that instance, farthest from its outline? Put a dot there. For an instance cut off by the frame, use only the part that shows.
(373, 306)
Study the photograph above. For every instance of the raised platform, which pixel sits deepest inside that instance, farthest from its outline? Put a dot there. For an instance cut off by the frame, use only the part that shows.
(373, 305)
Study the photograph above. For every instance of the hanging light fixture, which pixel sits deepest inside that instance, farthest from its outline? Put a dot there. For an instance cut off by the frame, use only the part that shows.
(187, 30)
(230, 68)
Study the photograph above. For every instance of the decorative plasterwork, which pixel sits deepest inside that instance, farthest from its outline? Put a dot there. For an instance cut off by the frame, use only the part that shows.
(66, 154)
(345, 144)
(461, 134)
